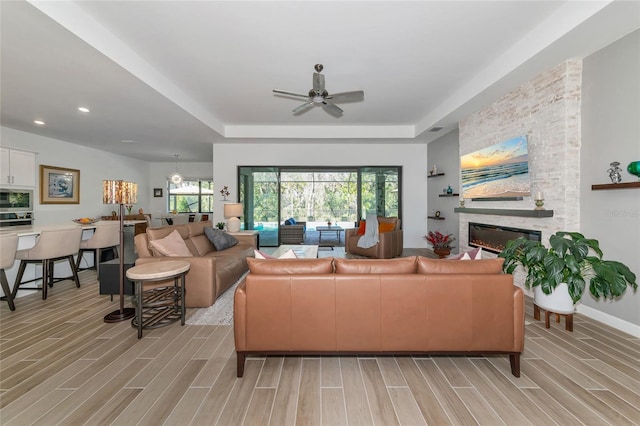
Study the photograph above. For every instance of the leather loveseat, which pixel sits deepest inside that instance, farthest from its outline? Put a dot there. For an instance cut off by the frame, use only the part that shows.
(403, 306)
(212, 272)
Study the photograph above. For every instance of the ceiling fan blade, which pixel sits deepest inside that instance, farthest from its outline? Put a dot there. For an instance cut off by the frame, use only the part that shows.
(318, 82)
(295, 95)
(303, 107)
(332, 109)
(357, 95)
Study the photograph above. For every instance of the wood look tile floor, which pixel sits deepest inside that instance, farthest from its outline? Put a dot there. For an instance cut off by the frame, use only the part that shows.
(61, 364)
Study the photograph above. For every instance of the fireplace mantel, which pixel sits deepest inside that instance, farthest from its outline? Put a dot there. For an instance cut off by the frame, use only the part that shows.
(506, 212)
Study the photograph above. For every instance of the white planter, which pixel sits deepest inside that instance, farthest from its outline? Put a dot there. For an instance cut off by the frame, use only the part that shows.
(559, 301)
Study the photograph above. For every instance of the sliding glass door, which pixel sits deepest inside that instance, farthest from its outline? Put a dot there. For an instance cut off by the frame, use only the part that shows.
(340, 195)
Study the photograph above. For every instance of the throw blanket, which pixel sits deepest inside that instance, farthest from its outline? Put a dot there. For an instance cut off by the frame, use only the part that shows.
(370, 237)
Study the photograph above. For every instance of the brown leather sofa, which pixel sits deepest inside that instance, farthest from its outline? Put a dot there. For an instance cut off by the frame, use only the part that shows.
(390, 245)
(212, 272)
(403, 306)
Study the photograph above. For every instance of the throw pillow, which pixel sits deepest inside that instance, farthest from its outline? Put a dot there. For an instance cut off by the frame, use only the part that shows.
(220, 239)
(474, 254)
(289, 254)
(386, 227)
(172, 245)
(362, 227)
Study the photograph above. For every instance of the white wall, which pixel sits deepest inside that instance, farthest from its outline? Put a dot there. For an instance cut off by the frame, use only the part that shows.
(94, 165)
(611, 132)
(444, 153)
(412, 157)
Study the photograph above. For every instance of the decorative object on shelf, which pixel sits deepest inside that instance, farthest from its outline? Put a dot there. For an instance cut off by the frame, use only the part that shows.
(434, 170)
(225, 193)
(232, 212)
(437, 213)
(220, 225)
(539, 201)
(614, 172)
(570, 260)
(441, 243)
(59, 185)
(449, 190)
(175, 177)
(120, 192)
(634, 168)
(461, 201)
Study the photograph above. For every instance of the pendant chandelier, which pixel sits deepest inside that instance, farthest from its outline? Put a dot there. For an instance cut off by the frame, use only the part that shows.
(175, 177)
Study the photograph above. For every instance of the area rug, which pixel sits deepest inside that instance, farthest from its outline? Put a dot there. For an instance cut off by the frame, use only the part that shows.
(220, 313)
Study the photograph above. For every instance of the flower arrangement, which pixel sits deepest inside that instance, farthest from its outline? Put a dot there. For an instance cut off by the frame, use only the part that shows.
(225, 192)
(440, 241)
(129, 207)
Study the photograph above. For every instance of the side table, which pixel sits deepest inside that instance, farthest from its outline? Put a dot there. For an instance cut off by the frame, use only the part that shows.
(159, 305)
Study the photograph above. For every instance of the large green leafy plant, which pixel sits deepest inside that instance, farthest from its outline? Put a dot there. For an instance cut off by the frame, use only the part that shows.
(571, 260)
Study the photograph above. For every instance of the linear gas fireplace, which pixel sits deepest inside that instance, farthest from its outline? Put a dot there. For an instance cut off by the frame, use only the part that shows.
(494, 238)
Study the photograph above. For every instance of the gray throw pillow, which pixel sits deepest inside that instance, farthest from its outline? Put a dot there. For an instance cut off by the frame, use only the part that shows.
(220, 239)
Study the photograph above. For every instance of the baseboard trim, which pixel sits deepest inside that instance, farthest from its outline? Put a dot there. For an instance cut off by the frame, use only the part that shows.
(610, 320)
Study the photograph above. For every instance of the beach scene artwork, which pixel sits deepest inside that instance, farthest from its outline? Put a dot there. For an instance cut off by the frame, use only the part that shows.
(500, 170)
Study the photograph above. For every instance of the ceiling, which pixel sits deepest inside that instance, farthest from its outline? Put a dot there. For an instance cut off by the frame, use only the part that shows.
(174, 77)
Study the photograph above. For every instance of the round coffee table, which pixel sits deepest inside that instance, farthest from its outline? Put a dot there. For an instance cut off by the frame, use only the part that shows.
(159, 305)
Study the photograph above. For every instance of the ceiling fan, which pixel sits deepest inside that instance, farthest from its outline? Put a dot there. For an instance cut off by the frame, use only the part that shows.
(319, 96)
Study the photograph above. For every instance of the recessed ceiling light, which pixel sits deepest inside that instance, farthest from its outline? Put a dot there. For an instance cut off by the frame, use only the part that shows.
(128, 141)
(83, 109)
(38, 122)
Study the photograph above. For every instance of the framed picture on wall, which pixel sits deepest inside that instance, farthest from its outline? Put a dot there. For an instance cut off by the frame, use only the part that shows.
(157, 192)
(59, 185)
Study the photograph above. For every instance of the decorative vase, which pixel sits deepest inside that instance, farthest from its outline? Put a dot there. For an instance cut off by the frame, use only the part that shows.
(559, 301)
(449, 190)
(442, 252)
(634, 168)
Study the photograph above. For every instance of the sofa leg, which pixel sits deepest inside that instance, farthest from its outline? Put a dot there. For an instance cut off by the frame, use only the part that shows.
(240, 356)
(514, 359)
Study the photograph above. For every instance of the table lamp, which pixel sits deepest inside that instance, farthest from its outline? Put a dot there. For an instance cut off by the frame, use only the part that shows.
(120, 192)
(232, 211)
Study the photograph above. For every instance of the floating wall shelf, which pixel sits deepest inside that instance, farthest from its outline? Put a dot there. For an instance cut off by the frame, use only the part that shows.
(449, 195)
(625, 185)
(435, 217)
(437, 174)
(506, 212)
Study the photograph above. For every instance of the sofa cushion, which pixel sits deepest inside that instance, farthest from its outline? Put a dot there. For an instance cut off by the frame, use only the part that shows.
(444, 266)
(172, 245)
(201, 244)
(401, 265)
(290, 266)
(220, 239)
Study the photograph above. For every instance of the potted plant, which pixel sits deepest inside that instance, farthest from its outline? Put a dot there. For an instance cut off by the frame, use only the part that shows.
(441, 243)
(568, 263)
(220, 225)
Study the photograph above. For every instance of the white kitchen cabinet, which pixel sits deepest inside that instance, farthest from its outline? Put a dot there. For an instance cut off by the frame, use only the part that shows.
(18, 168)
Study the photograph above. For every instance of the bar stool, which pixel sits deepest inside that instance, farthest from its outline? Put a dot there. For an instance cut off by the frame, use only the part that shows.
(106, 235)
(52, 245)
(8, 246)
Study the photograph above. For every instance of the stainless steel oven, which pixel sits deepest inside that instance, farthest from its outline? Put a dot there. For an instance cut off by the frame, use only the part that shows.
(16, 207)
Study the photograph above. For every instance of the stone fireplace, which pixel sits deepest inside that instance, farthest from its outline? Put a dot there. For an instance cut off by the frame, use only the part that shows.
(494, 238)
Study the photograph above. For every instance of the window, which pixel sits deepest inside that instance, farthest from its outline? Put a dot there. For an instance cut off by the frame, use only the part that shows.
(192, 196)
